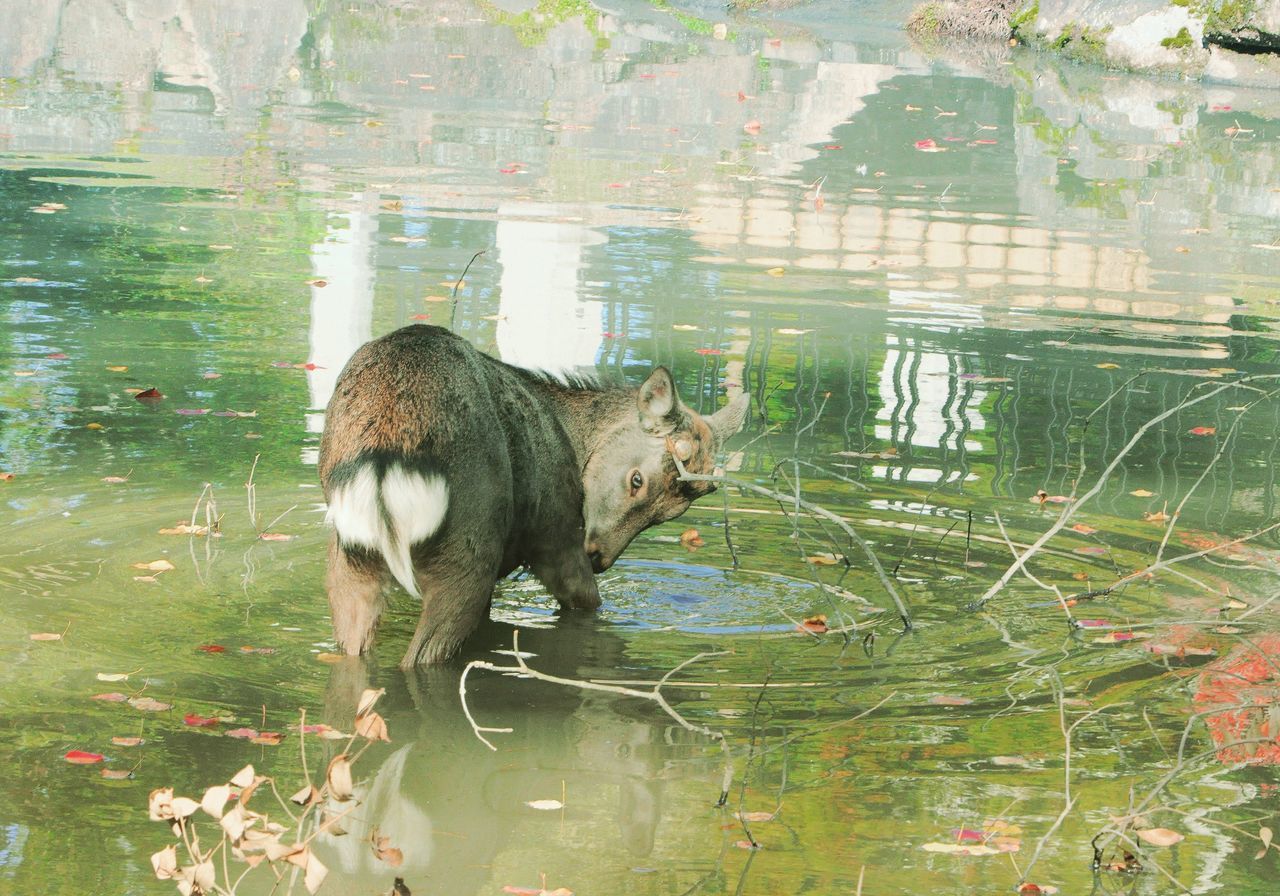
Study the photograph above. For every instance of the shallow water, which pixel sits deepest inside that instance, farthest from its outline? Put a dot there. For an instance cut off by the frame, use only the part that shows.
(948, 284)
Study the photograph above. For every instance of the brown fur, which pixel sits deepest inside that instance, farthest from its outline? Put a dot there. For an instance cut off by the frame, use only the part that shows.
(539, 473)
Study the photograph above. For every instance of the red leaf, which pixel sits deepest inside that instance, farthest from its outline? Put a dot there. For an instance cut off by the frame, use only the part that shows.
(833, 146)
(752, 127)
(110, 698)
(80, 757)
(1202, 430)
(926, 143)
(707, 351)
(199, 721)
(56, 356)
(963, 834)
(245, 733)
(211, 648)
(152, 394)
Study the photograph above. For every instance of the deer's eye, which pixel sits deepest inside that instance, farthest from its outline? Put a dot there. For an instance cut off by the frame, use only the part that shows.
(636, 482)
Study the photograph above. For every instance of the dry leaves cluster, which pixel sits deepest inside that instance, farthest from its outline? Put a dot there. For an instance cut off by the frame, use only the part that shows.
(248, 836)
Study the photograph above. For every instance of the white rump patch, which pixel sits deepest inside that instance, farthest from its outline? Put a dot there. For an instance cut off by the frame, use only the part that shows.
(415, 509)
(353, 511)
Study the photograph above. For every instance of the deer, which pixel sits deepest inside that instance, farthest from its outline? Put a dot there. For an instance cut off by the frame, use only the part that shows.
(445, 469)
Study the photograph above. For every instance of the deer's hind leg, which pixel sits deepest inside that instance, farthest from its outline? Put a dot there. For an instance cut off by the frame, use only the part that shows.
(453, 606)
(354, 582)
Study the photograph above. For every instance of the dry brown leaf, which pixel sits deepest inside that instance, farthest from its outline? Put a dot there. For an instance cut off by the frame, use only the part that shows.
(306, 796)
(45, 636)
(165, 862)
(691, 539)
(314, 874)
(338, 777)
(215, 799)
(1160, 836)
(368, 697)
(155, 566)
(149, 704)
(371, 726)
(160, 804)
(824, 559)
(243, 778)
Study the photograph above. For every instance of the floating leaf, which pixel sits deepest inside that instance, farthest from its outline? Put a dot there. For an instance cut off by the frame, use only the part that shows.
(127, 741)
(267, 738)
(961, 849)
(110, 698)
(545, 805)
(155, 566)
(275, 536)
(757, 816)
(243, 778)
(1107, 365)
(948, 700)
(243, 733)
(116, 774)
(195, 720)
(1160, 836)
(691, 539)
(148, 704)
(1120, 637)
(1202, 431)
(1083, 529)
(1142, 493)
(814, 624)
(825, 559)
(115, 479)
(45, 636)
(385, 852)
(149, 395)
(113, 676)
(80, 757)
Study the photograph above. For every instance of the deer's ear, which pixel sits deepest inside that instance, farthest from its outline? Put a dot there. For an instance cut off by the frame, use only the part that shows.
(729, 419)
(659, 408)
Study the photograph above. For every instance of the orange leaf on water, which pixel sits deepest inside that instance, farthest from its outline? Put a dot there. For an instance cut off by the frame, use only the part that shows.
(1202, 430)
(80, 757)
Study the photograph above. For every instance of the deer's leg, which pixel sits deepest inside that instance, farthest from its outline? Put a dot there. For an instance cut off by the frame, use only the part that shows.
(354, 583)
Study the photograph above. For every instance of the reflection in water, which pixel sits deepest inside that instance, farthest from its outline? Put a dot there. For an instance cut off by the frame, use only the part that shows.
(341, 304)
(542, 321)
(458, 810)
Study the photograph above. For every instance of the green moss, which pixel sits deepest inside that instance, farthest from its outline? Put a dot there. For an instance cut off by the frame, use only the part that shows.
(533, 26)
(1082, 43)
(1024, 20)
(691, 23)
(1227, 15)
(1179, 41)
